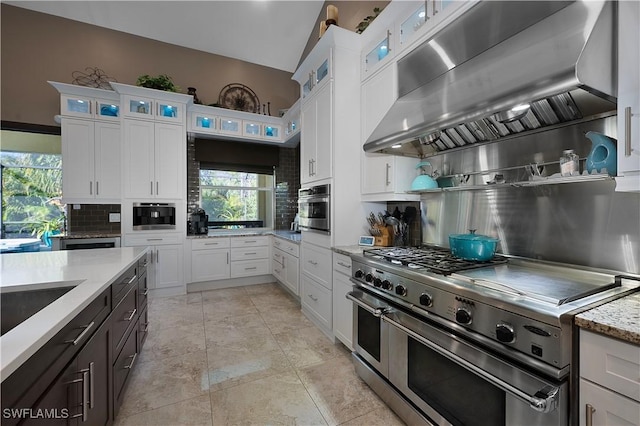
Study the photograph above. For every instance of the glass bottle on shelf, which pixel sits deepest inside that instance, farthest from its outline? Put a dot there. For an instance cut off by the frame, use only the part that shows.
(569, 163)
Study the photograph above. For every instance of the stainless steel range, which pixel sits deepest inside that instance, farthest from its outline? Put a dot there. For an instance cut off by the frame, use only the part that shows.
(446, 341)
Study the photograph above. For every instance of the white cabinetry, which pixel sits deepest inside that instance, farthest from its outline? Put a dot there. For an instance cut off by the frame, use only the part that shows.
(316, 147)
(249, 256)
(165, 272)
(628, 96)
(342, 307)
(315, 286)
(291, 123)
(90, 161)
(210, 259)
(609, 381)
(285, 264)
(153, 160)
(91, 144)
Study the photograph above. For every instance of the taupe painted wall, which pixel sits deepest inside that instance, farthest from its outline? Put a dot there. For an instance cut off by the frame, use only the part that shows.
(37, 47)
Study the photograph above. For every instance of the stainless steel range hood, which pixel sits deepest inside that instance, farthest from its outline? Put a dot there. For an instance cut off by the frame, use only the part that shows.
(458, 87)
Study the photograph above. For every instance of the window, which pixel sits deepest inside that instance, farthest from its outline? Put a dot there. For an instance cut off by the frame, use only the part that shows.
(237, 199)
(31, 193)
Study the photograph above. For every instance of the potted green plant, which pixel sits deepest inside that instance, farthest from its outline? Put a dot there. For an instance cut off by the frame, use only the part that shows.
(369, 19)
(45, 229)
(161, 82)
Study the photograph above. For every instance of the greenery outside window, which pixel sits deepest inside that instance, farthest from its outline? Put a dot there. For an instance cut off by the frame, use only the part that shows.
(31, 194)
(235, 200)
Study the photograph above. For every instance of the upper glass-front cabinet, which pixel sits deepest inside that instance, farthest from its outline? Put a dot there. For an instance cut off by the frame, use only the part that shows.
(272, 131)
(89, 108)
(230, 126)
(251, 129)
(378, 53)
(152, 109)
(205, 123)
(412, 24)
(317, 76)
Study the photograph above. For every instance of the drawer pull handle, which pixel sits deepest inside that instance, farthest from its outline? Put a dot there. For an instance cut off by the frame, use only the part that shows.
(589, 415)
(211, 244)
(133, 314)
(251, 268)
(91, 381)
(344, 264)
(146, 327)
(84, 332)
(133, 359)
(132, 279)
(154, 239)
(250, 254)
(146, 292)
(312, 262)
(315, 299)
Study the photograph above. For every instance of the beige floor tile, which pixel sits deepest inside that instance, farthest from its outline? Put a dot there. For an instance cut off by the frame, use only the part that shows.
(235, 326)
(224, 293)
(250, 342)
(308, 346)
(172, 341)
(215, 310)
(380, 417)
(263, 289)
(338, 391)
(285, 319)
(185, 299)
(276, 400)
(268, 302)
(195, 411)
(156, 383)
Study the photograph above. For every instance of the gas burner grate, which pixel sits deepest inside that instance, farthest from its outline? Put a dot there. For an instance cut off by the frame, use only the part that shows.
(435, 259)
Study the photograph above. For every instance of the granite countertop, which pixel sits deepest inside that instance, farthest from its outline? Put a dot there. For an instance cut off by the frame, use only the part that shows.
(89, 271)
(285, 234)
(76, 235)
(619, 318)
(348, 250)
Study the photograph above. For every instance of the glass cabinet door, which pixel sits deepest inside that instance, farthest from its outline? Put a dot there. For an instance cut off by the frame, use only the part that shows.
(272, 131)
(168, 111)
(250, 128)
(306, 87)
(204, 122)
(138, 107)
(379, 52)
(107, 109)
(412, 24)
(76, 106)
(322, 71)
(230, 126)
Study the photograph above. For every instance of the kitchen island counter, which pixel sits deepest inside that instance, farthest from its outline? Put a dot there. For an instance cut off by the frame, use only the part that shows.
(619, 318)
(90, 272)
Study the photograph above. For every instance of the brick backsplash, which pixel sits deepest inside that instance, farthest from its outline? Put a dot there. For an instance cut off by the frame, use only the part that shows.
(286, 191)
(92, 218)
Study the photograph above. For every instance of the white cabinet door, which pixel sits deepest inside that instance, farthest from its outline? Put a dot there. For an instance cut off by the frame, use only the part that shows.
(170, 148)
(209, 265)
(324, 133)
(138, 158)
(107, 161)
(342, 309)
(77, 159)
(308, 141)
(628, 87)
(291, 272)
(378, 95)
(316, 262)
(606, 408)
(316, 300)
(168, 266)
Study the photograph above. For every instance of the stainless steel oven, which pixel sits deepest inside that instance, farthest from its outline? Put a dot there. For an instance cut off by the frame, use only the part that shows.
(451, 381)
(151, 216)
(314, 208)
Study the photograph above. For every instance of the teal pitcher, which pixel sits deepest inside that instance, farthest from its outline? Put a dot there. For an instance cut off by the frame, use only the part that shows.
(603, 154)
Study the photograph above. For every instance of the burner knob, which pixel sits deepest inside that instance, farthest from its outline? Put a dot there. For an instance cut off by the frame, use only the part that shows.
(505, 333)
(368, 278)
(463, 316)
(387, 285)
(401, 290)
(377, 282)
(426, 299)
(359, 274)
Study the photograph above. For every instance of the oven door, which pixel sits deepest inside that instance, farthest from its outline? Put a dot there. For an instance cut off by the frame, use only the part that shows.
(370, 334)
(314, 213)
(456, 383)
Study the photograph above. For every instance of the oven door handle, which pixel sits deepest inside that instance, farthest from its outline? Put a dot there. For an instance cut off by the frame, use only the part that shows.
(545, 400)
(376, 312)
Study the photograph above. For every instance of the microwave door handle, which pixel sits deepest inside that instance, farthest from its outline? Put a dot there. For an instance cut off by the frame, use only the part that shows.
(544, 401)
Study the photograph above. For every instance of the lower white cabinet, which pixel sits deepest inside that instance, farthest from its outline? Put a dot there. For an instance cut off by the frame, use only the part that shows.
(249, 256)
(210, 264)
(284, 265)
(342, 308)
(165, 271)
(609, 381)
(316, 263)
(316, 301)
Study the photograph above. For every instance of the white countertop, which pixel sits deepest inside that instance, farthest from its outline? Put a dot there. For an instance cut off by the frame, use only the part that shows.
(91, 271)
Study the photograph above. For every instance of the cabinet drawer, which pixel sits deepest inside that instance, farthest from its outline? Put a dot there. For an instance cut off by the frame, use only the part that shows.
(277, 256)
(249, 253)
(151, 240)
(209, 243)
(123, 318)
(255, 241)
(287, 246)
(276, 269)
(342, 264)
(143, 291)
(122, 367)
(248, 268)
(316, 262)
(611, 409)
(317, 299)
(120, 286)
(612, 363)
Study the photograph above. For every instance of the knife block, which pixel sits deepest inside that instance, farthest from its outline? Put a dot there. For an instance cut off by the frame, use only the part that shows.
(384, 239)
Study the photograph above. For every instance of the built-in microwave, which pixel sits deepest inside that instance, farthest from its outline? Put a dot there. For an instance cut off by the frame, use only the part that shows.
(314, 208)
(151, 216)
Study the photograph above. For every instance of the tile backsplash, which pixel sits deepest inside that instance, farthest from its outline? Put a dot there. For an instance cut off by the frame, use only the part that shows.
(92, 218)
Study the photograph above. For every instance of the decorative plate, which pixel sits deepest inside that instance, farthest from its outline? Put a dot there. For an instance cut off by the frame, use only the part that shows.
(239, 97)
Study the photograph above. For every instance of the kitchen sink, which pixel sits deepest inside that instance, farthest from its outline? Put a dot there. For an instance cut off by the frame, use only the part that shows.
(17, 306)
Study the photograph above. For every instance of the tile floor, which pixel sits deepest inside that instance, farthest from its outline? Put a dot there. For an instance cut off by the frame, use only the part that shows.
(244, 356)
